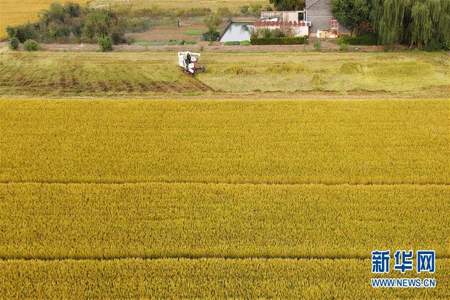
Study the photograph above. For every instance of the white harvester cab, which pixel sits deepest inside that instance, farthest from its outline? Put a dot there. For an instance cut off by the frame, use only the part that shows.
(188, 61)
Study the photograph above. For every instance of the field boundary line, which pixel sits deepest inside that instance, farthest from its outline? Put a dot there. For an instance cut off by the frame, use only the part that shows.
(193, 182)
(115, 258)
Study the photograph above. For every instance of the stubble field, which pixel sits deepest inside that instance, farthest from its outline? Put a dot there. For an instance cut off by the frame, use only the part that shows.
(134, 74)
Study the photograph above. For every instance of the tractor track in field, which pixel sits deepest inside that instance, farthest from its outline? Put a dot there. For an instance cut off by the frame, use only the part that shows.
(200, 84)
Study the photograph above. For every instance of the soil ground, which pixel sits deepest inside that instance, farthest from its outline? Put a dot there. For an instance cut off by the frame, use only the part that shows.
(207, 46)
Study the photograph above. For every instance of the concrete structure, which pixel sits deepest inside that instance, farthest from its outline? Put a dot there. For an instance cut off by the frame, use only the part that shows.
(297, 28)
(283, 16)
(293, 21)
(318, 13)
(316, 19)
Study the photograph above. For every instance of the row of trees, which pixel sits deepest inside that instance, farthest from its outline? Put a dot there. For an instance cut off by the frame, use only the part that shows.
(417, 23)
(70, 22)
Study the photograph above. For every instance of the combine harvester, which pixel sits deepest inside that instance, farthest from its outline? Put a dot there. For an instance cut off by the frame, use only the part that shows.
(188, 61)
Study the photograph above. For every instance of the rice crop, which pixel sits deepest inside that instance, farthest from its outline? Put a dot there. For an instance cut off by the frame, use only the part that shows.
(205, 278)
(406, 72)
(330, 142)
(219, 199)
(220, 220)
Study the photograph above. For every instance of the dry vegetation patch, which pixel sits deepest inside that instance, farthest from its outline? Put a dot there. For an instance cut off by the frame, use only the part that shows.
(92, 74)
(405, 72)
(143, 73)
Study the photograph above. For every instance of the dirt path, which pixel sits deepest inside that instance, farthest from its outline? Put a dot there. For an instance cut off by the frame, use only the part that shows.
(205, 46)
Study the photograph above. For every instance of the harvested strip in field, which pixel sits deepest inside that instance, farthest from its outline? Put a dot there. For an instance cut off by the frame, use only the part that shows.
(210, 278)
(145, 73)
(219, 220)
(93, 73)
(332, 142)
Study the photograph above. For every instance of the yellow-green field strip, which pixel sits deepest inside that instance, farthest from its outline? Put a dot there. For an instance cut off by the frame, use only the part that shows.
(217, 220)
(205, 278)
(283, 142)
(214, 199)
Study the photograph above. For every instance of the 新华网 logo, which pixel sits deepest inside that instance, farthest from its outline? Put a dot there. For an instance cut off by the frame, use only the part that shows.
(403, 261)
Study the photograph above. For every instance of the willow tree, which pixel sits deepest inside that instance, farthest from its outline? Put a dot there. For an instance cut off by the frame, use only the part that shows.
(421, 23)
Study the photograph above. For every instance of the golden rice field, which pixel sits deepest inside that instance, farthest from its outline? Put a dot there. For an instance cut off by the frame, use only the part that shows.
(19, 12)
(154, 220)
(289, 142)
(219, 199)
(204, 278)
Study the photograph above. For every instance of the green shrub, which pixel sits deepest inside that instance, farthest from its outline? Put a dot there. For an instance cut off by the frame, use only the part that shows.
(279, 41)
(232, 43)
(343, 47)
(22, 32)
(244, 9)
(118, 36)
(212, 22)
(267, 33)
(98, 24)
(245, 43)
(343, 44)
(317, 45)
(364, 39)
(105, 43)
(71, 23)
(14, 43)
(211, 36)
(31, 45)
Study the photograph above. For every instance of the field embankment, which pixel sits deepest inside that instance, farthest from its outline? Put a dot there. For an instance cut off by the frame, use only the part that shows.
(156, 73)
(218, 199)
